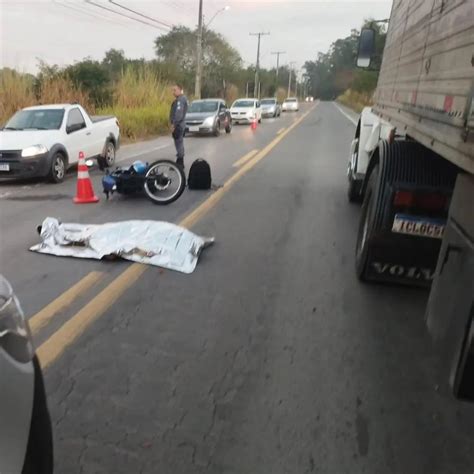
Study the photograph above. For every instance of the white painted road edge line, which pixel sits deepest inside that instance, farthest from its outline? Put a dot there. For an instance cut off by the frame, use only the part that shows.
(345, 113)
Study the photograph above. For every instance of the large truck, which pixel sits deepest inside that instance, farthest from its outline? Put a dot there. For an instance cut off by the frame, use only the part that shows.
(411, 165)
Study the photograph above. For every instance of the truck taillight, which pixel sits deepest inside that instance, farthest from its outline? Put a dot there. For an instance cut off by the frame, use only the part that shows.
(403, 199)
(432, 201)
(425, 201)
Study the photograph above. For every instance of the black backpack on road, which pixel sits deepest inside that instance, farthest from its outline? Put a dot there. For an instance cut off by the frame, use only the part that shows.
(200, 175)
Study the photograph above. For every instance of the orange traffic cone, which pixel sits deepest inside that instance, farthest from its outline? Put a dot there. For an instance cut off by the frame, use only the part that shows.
(85, 192)
(253, 125)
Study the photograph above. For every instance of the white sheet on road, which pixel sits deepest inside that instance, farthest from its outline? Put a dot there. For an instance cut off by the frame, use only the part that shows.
(151, 242)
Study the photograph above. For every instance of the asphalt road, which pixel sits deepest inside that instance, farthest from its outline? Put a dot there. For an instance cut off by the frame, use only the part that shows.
(270, 358)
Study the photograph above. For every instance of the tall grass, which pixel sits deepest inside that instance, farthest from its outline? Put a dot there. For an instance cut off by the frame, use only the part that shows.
(18, 91)
(355, 100)
(60, 89)
(141, 101)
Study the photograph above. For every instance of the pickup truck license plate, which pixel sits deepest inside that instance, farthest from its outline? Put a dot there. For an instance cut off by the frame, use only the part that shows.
(420, 226)
(4, 167)
(194, 129)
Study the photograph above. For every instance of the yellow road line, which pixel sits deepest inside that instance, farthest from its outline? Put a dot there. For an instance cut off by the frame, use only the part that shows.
(51, 349)
(214, 198)
(245, 158)
(281, 130)
(43, 317)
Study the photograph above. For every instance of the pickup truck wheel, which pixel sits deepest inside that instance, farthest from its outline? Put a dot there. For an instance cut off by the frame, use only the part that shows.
(366, 225)
(57, 171)
(108, 159)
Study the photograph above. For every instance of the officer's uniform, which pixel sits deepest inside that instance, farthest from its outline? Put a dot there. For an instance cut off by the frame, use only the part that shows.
(177, 118)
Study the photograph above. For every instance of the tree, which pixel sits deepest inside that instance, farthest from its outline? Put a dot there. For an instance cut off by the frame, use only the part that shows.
(335, 71)
(176, 53)
(90, 76)
(115, 62)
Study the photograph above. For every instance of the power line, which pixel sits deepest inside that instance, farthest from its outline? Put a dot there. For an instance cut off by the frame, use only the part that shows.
(87, 13)
(141, 14)
(90, 2)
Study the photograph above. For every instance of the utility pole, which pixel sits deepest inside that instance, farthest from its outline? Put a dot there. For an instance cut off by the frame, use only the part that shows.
(197, 86)
(289, 80)
(256, 85)
(277, 54)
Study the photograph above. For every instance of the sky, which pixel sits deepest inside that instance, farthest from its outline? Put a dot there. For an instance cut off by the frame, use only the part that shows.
(63, 31)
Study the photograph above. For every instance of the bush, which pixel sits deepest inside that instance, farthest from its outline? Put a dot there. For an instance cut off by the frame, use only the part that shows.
(141, 102)
(355, 100)
(281, 94)
(140, 122)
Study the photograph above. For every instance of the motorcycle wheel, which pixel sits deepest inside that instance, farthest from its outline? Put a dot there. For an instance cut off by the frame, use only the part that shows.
(164, 182)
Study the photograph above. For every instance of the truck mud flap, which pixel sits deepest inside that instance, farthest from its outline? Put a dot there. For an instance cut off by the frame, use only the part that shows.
(402, 261)
(390, 256)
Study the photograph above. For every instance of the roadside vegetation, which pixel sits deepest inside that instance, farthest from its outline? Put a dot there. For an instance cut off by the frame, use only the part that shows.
(334, 75)
(138, 91)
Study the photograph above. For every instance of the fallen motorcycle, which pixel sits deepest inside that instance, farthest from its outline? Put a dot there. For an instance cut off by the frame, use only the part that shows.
(163, 181)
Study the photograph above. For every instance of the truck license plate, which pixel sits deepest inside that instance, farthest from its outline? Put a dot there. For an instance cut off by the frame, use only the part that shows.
(420, 226)
(4, 167)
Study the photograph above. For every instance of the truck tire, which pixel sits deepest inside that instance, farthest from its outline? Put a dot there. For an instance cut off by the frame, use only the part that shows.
(392, 257)
(108, 159)
(366, 224)
(58, 167)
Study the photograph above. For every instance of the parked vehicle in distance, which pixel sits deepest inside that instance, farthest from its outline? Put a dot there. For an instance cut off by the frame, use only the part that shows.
(26, 444)
(43, 141)
(246, 111)
(310, 98)
(270, 108)
(290, 105)
(208, 116)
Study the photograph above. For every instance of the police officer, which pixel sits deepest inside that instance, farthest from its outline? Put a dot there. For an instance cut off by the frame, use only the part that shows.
(179, 107)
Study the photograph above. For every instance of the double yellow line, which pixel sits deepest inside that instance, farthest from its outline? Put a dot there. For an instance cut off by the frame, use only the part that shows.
(55, 346)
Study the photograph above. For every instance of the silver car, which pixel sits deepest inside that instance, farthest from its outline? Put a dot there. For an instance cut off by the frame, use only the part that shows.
(208, 116)
(270, 108)
(26, 444)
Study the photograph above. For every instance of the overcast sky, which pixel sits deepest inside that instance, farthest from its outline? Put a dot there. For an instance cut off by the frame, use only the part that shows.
(64, 31)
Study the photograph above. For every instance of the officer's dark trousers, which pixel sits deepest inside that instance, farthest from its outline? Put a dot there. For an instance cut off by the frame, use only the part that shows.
(178, 136)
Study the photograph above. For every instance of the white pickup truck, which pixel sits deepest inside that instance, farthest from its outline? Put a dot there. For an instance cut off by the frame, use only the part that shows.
(43, 141)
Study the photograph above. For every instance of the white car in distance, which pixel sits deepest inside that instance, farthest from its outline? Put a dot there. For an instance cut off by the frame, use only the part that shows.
(290, 105)
(246, 111)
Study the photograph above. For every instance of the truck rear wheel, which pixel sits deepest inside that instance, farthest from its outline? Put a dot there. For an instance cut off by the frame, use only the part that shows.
(366, 225)
(407, 192)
